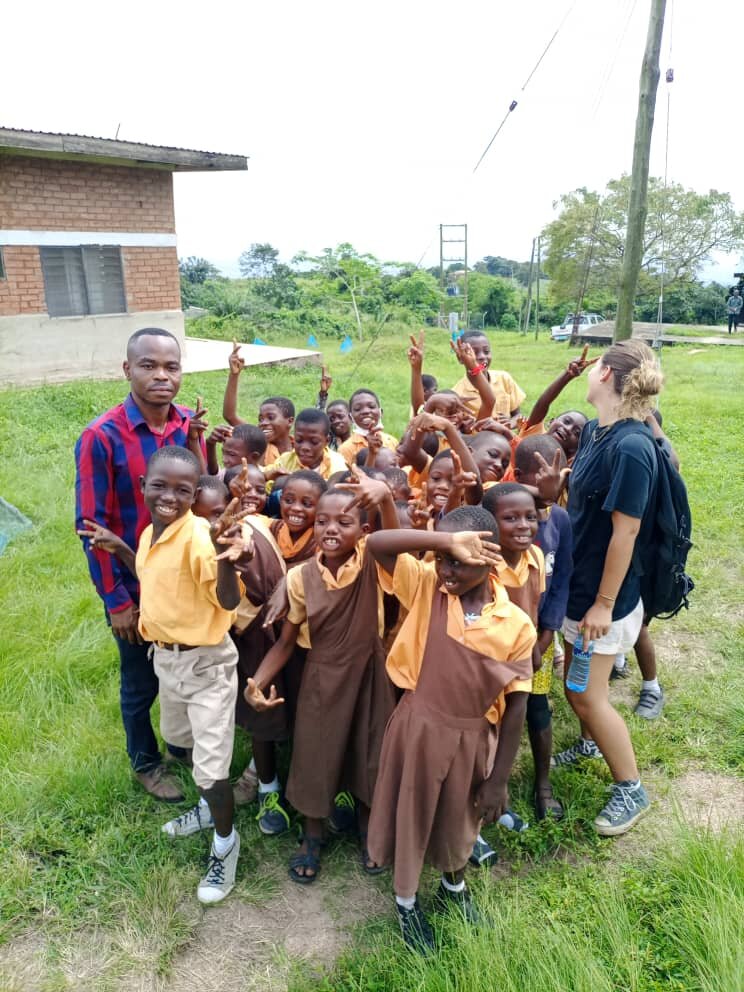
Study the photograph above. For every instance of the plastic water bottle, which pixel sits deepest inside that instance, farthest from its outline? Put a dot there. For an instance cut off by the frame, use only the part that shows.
(578, 671)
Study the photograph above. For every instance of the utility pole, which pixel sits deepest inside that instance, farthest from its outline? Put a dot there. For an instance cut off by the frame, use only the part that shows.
(638, 205)
(529, 291)
(537, 291)
(448, 235)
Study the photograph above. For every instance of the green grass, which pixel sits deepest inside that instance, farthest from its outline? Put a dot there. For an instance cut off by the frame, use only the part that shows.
(80, 845)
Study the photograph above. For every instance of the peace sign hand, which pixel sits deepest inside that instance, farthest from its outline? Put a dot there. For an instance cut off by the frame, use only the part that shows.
(198, 422)
(464, 353)
(577, 366)
(550, 480)
(236, 363)
(325, 380)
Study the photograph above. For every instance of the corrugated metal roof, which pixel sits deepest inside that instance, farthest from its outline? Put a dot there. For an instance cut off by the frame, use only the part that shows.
(52, 144)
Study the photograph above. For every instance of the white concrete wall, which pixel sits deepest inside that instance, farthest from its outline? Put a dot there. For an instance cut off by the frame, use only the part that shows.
(36, 348)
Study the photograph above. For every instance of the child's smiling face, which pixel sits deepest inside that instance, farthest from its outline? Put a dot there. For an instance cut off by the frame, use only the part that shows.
(566, 429)
(169, 489)
(338, 415)
(275, 424)
(439, 483)
(492, 454)
(365, 411)
(298, 503)
(309, 444)
(253, 497)
(338, 529)
(516, 515)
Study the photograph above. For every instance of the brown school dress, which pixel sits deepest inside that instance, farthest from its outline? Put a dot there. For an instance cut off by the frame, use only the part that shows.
(345, 697)
(260, 578)
(438, 750)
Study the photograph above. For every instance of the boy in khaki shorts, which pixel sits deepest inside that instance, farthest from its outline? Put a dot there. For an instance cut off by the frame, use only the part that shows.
(188, 600)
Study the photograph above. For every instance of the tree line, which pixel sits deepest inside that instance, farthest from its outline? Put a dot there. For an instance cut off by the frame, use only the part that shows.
(344, 291)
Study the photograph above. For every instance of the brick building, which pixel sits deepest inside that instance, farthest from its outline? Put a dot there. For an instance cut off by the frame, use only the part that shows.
(87, 249)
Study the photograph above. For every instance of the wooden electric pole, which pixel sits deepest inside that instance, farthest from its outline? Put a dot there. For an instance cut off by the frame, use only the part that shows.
(638, 206)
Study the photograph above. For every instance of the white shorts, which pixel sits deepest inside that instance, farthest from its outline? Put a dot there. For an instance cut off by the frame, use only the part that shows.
(198, 689)
(619, 639)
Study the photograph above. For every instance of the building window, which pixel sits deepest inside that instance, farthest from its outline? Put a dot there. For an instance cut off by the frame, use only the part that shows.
(2, 264)
(84, 280)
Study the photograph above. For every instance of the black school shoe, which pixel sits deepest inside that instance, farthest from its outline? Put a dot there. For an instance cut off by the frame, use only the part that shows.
(457, 902)
(415, 929)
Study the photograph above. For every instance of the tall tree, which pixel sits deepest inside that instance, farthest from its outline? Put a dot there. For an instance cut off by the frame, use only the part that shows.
(359, 276)
(682, 229)
(197, 270)
(258, 261)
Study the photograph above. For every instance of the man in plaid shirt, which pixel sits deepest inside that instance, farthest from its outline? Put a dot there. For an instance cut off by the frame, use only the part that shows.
(110, 458)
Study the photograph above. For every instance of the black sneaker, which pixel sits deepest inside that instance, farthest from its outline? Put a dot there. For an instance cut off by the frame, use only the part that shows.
(415, 929)
(343, 818)
(457, 902)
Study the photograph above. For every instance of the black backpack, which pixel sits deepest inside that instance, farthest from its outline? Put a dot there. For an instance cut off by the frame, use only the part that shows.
(665, 586)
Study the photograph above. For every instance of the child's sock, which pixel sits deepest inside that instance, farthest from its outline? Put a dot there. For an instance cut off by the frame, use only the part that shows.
(406, 902)
(269, 786)
(651, 686)
(453, 886)
(222, 845)
(620, 662)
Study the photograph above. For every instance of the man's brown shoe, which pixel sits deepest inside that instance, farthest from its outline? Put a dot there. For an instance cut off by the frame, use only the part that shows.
(245, 789)
(187, 760)
(160, 785)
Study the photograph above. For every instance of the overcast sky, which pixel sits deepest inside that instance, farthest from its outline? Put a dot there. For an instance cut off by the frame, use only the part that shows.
(363, 121)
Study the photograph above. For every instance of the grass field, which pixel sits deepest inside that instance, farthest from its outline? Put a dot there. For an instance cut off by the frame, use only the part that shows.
(91, 895)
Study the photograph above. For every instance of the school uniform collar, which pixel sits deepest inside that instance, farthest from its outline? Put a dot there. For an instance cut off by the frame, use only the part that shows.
(352, 564)
(173, 529)
(500, 606)
(517, 575)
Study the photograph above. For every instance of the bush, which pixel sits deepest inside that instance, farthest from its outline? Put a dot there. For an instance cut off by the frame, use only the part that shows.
(509, 322)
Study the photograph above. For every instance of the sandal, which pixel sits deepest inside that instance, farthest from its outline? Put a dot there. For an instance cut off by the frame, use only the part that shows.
(364, 858)
(310, 859)
(546, 805)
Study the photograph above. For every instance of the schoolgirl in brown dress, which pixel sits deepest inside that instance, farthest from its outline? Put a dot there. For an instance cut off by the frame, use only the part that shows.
(345, 696)
(461, 673)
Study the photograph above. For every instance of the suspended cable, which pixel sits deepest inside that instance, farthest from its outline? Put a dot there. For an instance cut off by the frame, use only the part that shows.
(669, 79)
(611, 65)
(513, 104)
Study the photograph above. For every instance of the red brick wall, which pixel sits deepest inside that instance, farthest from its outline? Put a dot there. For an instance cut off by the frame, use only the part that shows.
(151, 278)
(42, 194)
(22, 290)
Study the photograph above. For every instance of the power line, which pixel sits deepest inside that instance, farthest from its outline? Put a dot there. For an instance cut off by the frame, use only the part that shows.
(513, 104)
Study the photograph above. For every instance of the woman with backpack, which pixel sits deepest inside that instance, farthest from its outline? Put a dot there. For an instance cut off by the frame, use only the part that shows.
(612, 504)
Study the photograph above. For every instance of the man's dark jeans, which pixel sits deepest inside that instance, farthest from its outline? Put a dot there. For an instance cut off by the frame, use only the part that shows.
(138, 691)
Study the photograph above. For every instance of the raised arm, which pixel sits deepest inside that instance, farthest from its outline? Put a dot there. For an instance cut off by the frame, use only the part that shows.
(469, 547)
(416, 358)
(230, 400)
(572, 371)
(477, 375)
(105, 540)
(195, 441)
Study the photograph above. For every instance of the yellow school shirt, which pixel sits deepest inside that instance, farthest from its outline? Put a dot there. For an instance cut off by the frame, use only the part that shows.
(503, 632)
(354, 444)
(178, 585)
(347, 574)
(507, 394)
(331, 463)
(514, 577)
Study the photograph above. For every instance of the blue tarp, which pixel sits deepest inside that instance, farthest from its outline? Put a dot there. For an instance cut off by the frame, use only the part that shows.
(12, 522)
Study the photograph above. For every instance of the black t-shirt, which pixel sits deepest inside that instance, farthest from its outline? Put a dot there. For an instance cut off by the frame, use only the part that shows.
(614, 469)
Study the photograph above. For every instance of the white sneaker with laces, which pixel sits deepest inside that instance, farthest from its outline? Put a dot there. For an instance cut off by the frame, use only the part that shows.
(219, 879)
(191, 822)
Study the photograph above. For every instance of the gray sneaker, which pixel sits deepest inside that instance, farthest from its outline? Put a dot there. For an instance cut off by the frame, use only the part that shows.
(581, 749)
(650, 704)
(220, 877)
(191, 822)
(627, 805)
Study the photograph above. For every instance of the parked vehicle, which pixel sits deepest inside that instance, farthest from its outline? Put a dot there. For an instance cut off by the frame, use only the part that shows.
(562, 332)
